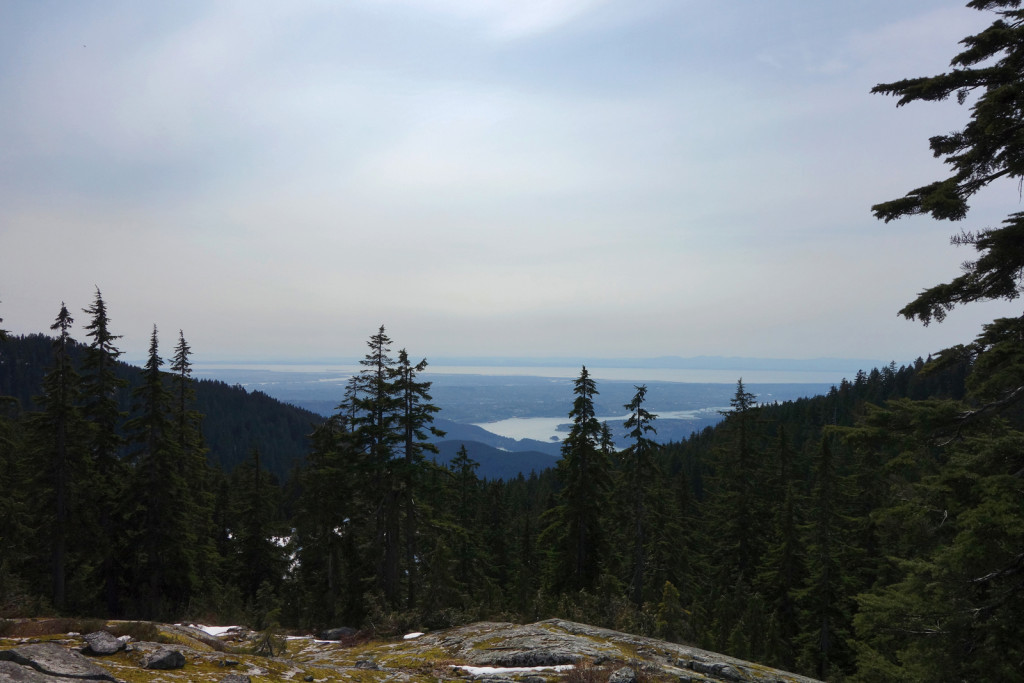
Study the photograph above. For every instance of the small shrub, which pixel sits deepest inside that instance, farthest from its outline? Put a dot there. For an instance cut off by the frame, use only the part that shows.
(138, 630)
(586, 672)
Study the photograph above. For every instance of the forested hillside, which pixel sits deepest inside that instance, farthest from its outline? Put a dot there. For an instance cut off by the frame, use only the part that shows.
(781, 535)
(234, 419)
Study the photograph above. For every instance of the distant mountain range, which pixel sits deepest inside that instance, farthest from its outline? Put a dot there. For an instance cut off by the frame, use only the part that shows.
(672, 363)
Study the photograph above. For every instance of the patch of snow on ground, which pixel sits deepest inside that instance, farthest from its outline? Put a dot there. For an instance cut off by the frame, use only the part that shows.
(480, 670)
(411, 636)
(213, 630)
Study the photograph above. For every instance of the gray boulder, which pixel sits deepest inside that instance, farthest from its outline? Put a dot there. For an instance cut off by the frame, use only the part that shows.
(236, 678)
(52, 660)
(164, 658)
(102, 643)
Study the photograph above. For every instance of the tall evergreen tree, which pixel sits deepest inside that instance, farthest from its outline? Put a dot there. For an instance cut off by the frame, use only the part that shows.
(193, 467)
(260, 560)
(414, 418)
(101, 387)
(783, 569)
(826, 649)
(575, 526)
(987, 71)
(164, 540)
(375, 407)
(323, 528)
(736, 475)
(58, 431)
(641, 472)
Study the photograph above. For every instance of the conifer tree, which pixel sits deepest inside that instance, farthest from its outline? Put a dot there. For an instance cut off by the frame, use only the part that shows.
(736, 474)
(783, 570)
(164, 540)
(414, 418)
(375, 408)
(825, 646)
(323, 526)
(466, 485)
(58, 432)
(101, 387)
(973, 585)
(14, 507)
(260, 560)
(193, 467)
(641, 472)
(16, 521)
(575, 526)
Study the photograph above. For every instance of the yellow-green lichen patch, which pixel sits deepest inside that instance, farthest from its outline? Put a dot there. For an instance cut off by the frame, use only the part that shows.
(416, 659)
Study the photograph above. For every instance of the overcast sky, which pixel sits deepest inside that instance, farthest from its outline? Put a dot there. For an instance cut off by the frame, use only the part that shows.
(484, 177)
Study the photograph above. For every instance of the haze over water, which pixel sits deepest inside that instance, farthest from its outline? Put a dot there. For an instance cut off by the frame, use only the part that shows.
(692, 375)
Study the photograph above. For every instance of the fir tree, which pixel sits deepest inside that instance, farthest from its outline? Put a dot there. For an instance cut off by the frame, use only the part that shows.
(164, 540)
(575, 529)
(375, 409)
(193, 467)
(641, 473)
(322, 527)
(101, 388)
(58, 432)
(414, 418)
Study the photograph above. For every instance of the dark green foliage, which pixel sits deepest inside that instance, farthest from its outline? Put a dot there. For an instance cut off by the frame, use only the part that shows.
(233, 418)
(101, 390)
(163, 547)
(16, 520)
(576, 530)
(946, 606)
(640, 474)
(989, 147)
(824, 598)
(58, 439)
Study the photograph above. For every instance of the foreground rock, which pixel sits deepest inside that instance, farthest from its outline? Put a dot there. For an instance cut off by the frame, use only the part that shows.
(51, 661)
(488, 652)
(164, 659)
(101, 643)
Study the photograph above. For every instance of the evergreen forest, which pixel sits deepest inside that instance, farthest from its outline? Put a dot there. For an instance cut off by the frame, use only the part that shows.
(875, 533)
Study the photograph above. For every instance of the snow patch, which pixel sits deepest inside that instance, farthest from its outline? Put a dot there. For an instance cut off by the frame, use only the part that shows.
(213, 630)
(412, 636)
(481, 670)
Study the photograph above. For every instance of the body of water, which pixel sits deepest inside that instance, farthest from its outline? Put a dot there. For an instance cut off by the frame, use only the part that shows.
(342, 371)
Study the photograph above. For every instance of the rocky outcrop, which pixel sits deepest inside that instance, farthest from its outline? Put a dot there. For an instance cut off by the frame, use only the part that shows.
(52, 662)
(487, 652)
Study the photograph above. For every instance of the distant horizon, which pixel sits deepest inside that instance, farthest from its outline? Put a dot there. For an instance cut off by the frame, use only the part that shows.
(695, 370)
(704, 361)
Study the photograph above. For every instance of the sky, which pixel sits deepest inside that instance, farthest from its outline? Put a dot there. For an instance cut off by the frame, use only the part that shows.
(528, 178)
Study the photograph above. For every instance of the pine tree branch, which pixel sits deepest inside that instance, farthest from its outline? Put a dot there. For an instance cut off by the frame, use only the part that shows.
(1016, 566)
(969, 416)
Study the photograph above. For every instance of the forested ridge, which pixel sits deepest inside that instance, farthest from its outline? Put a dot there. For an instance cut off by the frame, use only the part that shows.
(234, 419)
(872, 534)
